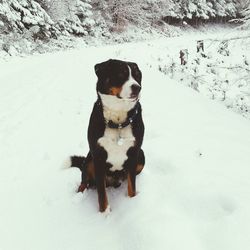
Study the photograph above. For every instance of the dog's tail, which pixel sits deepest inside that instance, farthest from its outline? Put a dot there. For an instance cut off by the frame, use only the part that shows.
(77, 161)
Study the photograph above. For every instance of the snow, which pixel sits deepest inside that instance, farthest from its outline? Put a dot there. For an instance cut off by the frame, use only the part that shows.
(193, 193)
(221, 72)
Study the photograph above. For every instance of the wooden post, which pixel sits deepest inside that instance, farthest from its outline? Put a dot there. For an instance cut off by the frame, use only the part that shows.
(184, 56)
(200, 46)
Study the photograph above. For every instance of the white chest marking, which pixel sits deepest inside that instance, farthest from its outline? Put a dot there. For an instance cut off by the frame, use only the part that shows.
(117, 152)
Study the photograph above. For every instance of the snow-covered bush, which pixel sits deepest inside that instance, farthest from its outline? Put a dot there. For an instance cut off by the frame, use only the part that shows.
(195, 11)
(81, 20)
(244, 11)
(21, 15)
(22, 23)
(29, 21)
(72, 17)
(56, 17)
(222, 72)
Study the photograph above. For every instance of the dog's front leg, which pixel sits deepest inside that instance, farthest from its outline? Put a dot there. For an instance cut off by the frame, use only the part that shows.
(101, 190)
(100, 176)
(131, 183)
(131, 165)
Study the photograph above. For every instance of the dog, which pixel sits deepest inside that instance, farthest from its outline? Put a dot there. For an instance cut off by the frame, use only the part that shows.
(115, 131)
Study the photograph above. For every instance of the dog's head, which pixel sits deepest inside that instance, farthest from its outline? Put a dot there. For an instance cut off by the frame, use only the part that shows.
(118, 79)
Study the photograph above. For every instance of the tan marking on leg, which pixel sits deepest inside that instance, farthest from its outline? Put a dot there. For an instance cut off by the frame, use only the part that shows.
(131, 192)
(91, 170)
(90, 177)
(104, 205)
(105, 202)
(139, 168)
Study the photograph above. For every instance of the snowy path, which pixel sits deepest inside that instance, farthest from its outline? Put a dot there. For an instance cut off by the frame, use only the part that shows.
(193, 194)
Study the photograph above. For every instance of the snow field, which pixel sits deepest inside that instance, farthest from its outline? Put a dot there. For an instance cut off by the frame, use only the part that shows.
(193, 193)
(222, 76)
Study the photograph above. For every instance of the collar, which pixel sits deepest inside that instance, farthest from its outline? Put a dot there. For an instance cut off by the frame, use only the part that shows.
(131, 116)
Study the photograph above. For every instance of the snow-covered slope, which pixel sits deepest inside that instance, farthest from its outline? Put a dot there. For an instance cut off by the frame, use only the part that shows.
(193, 194)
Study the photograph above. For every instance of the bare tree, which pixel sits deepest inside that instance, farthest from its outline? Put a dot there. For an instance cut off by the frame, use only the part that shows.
(124, 11)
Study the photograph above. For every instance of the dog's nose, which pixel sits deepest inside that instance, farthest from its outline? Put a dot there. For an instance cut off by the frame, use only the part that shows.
(136, 88)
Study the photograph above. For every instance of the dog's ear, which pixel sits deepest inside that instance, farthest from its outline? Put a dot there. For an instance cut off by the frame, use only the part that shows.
(136, 73)
(101, 68)
(98, 69)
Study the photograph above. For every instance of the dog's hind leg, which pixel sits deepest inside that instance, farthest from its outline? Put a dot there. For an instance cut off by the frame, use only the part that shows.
(141, 162)
(84, 182)
(79, 162)
(134, 168)
(88, 175)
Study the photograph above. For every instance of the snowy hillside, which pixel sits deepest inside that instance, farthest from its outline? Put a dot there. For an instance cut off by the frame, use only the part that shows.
(193, 193)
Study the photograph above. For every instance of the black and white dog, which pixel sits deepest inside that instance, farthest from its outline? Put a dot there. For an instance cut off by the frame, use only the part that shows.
(115, 131)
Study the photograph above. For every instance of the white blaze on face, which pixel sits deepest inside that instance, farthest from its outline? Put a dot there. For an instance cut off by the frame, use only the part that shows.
(126, 88)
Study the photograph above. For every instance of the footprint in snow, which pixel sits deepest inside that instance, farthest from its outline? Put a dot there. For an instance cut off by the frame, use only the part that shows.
(227, 205)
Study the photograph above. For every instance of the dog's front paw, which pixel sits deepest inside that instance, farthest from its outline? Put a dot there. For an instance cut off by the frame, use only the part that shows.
(107, 211)
(131, 194)
(81, 188)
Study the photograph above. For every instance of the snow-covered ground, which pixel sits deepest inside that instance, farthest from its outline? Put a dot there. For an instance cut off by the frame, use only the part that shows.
(193, 193)
(221, 72)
